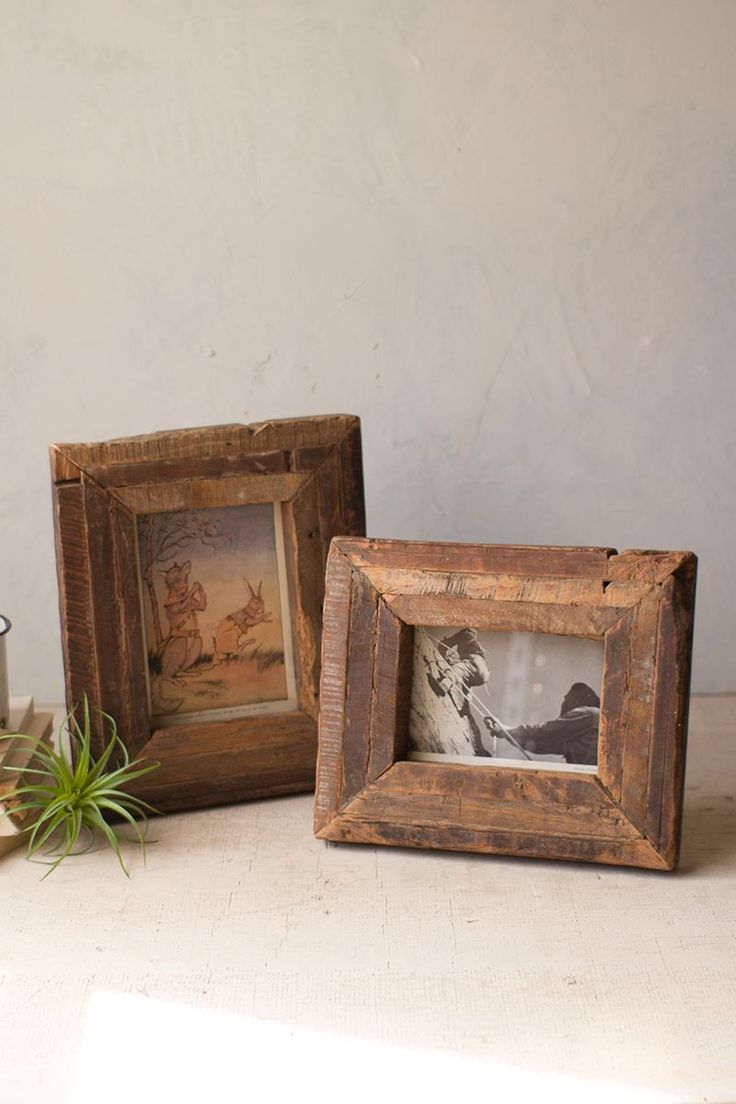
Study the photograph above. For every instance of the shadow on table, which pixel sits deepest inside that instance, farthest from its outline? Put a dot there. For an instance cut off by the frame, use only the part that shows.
(709, 832)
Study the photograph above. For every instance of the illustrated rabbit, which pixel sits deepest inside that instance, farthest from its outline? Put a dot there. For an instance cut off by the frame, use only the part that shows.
(231, 638)
(183, 646)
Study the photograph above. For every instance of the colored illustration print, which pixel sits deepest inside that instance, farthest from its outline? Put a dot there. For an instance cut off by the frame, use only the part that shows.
(215, 609)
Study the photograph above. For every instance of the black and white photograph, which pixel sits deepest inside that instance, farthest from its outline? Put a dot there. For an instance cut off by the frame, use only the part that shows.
(505, 699)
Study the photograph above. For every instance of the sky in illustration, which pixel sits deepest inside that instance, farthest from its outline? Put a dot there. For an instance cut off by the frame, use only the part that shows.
(244, 549)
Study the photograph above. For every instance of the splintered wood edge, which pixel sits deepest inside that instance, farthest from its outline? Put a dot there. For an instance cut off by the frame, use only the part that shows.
(638, 853)
(335, 632)
(457, 807)
(68, 459)
(598, 830)
(545, 561)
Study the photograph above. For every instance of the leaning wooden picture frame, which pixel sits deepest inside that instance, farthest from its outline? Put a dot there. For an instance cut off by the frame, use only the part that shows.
(410, 727)
(191, 579)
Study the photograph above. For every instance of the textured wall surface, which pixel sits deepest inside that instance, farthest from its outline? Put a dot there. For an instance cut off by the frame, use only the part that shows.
(503, 233)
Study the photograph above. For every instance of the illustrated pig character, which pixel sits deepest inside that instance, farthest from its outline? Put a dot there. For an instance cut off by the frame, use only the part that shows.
(183, 646)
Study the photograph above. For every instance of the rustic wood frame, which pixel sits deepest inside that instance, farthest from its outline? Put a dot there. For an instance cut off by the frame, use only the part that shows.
(313, 466)
(640, 604)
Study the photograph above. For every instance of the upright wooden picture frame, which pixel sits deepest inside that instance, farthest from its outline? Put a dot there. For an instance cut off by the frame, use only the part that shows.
(313, 468)
(626, 812)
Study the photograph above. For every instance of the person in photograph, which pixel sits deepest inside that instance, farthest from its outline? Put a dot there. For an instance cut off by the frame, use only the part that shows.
(463, 668)
(573, 735)
(465, 663)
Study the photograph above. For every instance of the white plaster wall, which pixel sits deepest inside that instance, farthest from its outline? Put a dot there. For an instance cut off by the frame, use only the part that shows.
(503, 233)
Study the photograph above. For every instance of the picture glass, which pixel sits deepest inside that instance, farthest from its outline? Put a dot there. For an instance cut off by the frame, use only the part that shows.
(505, 699)
(216, 613)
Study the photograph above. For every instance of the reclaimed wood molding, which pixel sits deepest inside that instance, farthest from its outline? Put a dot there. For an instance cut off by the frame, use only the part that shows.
(313, 466)
(640, 603)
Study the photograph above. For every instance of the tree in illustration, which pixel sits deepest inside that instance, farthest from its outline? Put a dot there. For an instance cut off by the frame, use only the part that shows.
(164, 537)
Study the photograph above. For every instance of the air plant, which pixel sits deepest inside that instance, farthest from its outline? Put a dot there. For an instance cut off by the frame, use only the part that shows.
(79, 794)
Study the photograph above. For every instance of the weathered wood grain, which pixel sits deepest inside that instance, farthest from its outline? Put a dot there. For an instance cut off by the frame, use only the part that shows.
(107, 636)
(333, 685)
(509, 587)
(457, 807)
(206, 764)
(639, 602)
(606, 564)
(305, 543)
(293, 434)
(202, 441)
(490, 558)
(100, 489)
(500, 616)
(352, 498)
(619, 851)
(229, 489)
(329, 495)
(491, 797)
(392, 666)
(637, 734)
(359, 686)
(72, 567)
(308, 459)
(615, 701)
(671, 696)
(288, 434)
(135, 719)
(196, 467)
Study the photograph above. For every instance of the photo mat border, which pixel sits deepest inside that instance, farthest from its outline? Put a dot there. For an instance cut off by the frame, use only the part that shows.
(498, 761)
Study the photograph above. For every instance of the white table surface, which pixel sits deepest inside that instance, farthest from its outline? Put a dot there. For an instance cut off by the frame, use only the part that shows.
(249, 961)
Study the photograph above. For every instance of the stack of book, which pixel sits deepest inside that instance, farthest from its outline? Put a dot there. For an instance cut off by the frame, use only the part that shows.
(18, 755)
